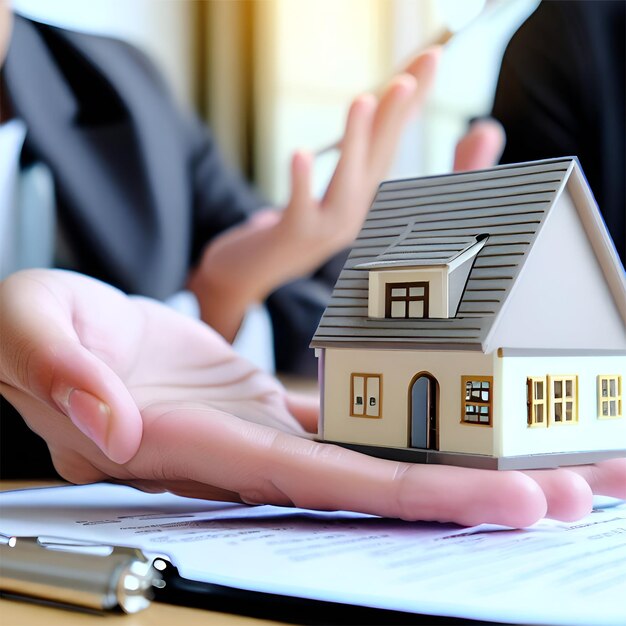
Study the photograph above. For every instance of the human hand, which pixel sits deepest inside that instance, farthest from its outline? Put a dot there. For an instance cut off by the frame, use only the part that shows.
(480, 147)
(248, 262)
(188, 415)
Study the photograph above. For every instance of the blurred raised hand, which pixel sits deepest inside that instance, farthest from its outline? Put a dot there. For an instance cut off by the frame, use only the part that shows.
(248, 262)
(481, 147)
(124, 388)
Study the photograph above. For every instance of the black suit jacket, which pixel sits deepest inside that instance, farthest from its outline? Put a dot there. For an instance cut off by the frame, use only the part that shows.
(562, 91)
(140, 185)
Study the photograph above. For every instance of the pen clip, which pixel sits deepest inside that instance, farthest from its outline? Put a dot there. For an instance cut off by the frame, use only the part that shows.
(80, 546)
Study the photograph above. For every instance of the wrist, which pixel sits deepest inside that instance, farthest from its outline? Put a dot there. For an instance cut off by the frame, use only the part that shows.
(221, 306)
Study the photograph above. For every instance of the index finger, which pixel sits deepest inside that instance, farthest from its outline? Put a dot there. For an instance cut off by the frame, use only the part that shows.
(394, 112)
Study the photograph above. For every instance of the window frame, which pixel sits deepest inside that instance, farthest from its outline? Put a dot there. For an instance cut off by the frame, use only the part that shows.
(553, 401)
(366, 377)
(532, 402)
(608, 399)
(390, 299)
(464, 402)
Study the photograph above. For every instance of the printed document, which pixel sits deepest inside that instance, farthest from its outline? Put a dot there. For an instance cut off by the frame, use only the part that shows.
(563, 574)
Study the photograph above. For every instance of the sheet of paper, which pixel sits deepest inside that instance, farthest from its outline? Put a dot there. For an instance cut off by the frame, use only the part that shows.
(553, 573)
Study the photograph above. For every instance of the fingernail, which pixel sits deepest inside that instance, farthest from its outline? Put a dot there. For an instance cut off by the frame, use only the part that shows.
(91, 416)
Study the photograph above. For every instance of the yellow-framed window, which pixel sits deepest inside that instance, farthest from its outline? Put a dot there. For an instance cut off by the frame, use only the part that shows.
(609, 396)
(477, 400)
(563, 400)
(537, 401)
(366, 393)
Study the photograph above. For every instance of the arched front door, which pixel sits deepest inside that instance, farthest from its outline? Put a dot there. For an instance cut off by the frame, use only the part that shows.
(423, 411)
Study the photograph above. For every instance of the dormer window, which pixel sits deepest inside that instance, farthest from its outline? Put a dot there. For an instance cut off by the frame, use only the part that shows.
(407, 300)
(421, 278)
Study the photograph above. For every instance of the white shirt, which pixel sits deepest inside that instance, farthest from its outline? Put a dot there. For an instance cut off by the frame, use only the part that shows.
(27, 207)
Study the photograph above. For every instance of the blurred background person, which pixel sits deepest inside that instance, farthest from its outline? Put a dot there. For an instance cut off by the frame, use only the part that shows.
(562, 91)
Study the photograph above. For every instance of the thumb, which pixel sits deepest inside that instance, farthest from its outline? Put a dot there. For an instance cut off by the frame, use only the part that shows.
(481, 147)
(41, 355)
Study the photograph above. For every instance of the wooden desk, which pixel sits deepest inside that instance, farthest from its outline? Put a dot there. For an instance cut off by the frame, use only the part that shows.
(17, 613)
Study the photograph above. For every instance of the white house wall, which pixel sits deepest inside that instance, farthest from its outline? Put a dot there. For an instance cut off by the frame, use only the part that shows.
(561, 298)
(398, 367)
(590, 433)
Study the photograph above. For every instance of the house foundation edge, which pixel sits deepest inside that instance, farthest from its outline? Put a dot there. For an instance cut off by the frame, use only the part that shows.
(551, 460)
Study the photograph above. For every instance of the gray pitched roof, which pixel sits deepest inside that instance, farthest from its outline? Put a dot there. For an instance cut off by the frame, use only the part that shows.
(431, 220)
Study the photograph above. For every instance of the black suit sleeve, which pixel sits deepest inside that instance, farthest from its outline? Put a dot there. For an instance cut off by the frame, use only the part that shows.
(221, 197)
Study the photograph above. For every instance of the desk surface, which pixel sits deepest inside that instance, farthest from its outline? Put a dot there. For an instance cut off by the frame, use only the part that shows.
(16, 613)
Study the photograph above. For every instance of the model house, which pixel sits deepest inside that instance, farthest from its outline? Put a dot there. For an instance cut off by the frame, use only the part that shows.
(479, 320)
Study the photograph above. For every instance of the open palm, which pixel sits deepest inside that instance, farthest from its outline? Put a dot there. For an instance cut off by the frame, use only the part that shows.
(124, 388)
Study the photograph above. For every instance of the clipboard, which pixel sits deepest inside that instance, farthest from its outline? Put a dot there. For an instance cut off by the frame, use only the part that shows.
(289, 609)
